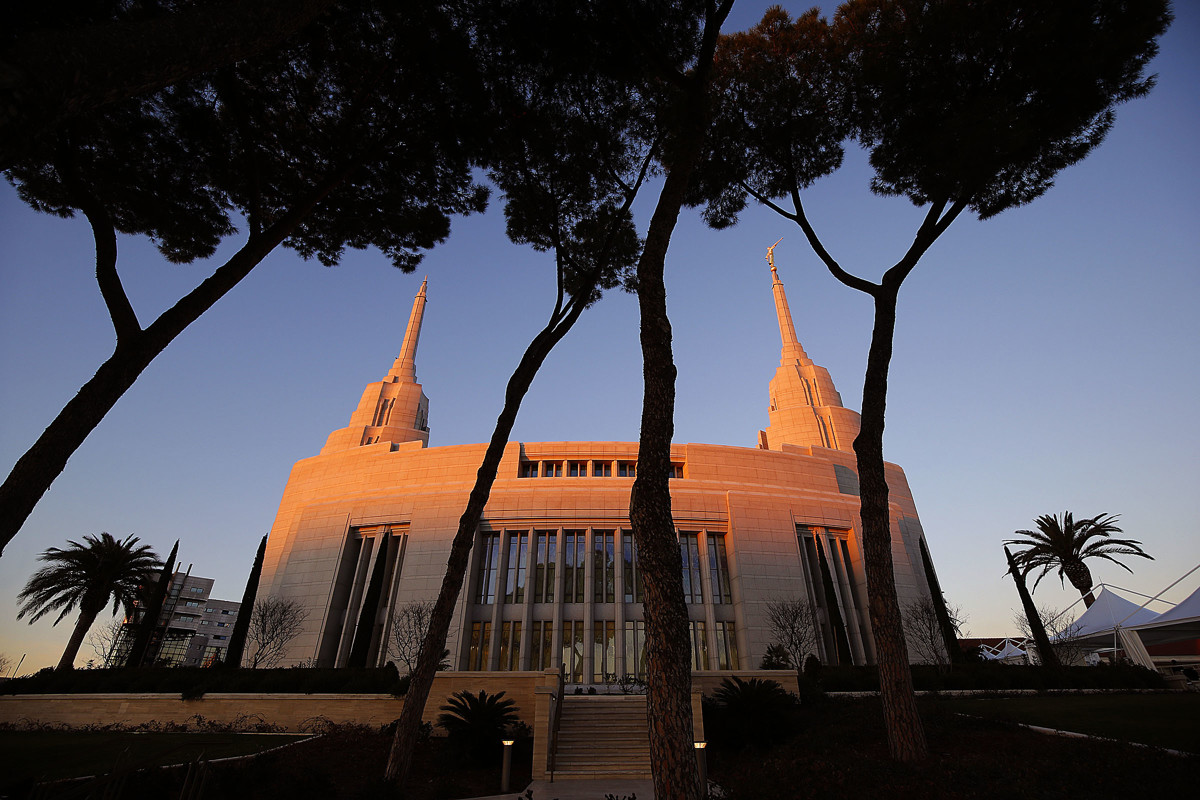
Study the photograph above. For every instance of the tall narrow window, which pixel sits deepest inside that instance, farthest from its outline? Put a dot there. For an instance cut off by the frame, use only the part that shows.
(518, 564)
(727, 655)
(635, 648)
(510, 646)
(718, 567)
(574, 553)
(489, 562)
(604, 651)
(699, 645)
(689, 552)
(477, 656)
(541, 645)
(632, 579)
(825, 578)
(603, 567)
(543, 576)
(572, 650)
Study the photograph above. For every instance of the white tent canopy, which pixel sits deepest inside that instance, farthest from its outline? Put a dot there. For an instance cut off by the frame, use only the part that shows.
(1114, 621)
(1109, 611)
(1179, 624)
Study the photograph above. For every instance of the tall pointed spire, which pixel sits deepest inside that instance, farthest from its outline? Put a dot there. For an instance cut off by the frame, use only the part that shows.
(792, 352)
(394, 410)
(806, 410)
(405, 368)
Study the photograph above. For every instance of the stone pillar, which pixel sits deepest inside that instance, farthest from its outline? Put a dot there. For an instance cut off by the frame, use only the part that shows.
(545, 695)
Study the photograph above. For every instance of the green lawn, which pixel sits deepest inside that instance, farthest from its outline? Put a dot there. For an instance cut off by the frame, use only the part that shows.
(1164, 720)
(49, 755)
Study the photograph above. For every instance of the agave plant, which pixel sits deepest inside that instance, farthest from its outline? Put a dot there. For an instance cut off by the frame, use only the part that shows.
(1065, 543)
(477, 723)
(758, 711)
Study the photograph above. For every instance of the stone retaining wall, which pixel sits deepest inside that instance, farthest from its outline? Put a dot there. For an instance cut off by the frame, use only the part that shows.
(292, 712)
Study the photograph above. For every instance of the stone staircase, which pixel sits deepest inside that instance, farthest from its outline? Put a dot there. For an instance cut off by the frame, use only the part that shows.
(601, 736)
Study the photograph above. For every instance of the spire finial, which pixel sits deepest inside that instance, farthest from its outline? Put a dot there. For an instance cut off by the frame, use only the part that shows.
(771, 258)
(405, 368)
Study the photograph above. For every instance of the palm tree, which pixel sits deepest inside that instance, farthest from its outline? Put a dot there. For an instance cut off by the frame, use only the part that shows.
(87, 575)
(1065, 543)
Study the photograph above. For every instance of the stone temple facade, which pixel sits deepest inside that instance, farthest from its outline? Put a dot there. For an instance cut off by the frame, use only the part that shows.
(364, 530)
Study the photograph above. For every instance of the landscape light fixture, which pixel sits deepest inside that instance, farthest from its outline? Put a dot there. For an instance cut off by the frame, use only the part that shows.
(506, 770)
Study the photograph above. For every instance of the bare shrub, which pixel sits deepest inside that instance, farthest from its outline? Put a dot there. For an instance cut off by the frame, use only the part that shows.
(275, 622)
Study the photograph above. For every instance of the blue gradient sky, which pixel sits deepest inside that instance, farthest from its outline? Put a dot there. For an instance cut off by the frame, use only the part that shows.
(1045, 360)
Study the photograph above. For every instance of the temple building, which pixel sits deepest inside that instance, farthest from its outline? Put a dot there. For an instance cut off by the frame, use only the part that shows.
(364, 530)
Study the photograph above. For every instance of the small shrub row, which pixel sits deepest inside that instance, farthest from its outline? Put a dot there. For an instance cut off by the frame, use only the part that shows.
(994, 677)
(193, 683)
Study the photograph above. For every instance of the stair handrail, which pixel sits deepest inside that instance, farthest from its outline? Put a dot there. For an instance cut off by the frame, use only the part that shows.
(556, 704)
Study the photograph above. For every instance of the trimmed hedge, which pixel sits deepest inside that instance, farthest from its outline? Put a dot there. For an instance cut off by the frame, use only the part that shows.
(195, 682)
(995, 677)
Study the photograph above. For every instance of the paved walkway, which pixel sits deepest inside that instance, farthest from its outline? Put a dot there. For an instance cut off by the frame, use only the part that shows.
(582, 790)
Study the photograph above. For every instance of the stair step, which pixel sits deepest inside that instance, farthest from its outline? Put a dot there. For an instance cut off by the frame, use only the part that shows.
(603, 735)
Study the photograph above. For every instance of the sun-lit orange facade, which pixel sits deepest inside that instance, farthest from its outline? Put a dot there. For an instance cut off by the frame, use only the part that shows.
(364, 529)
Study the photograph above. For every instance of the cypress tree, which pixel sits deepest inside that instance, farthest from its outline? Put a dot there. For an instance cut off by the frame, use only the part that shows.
(145, 631)
(237, 640)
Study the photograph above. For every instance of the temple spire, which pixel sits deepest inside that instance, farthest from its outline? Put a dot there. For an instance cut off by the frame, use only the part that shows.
(395, 410)
(792, 352)
(405, 368)
(806, 410)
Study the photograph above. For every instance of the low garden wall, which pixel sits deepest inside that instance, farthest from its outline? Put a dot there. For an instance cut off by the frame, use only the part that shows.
(286, 711)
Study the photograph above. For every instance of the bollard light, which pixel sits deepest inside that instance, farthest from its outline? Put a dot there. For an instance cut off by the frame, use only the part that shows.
(702, 767)
(506, 770)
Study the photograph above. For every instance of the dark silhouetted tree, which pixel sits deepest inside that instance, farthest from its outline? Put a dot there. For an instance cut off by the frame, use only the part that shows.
(793, 624)
(274, 622)
(967, 105)
(1034, 621)
(571, 146)
(923, 631)
(153, 597)
(948, 622)
(63, 62)
(1063, 543)
(241, 626)
(354, 135)
(86, 576)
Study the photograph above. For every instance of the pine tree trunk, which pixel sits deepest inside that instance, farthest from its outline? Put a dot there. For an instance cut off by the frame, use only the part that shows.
(33, 473)
(668, 662)
(906, 735)
(82, 626)
(421, 678)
